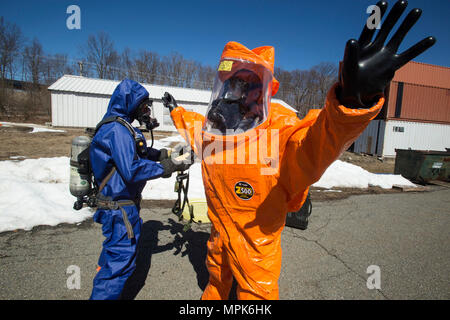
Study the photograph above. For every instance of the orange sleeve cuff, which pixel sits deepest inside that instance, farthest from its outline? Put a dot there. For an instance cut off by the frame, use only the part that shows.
(341, 113)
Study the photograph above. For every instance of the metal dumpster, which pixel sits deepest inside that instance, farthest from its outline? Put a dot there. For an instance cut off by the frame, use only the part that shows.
(423, 166)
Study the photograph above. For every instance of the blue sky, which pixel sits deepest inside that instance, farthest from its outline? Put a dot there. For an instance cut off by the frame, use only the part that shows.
(304, 33)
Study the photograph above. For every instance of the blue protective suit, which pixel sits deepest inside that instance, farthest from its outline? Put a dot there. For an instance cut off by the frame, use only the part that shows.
(113, 144)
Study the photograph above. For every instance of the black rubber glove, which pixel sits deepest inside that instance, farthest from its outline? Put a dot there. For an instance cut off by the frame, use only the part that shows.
(369, 66)
(171, 166)
(169, 101)
(164, 154)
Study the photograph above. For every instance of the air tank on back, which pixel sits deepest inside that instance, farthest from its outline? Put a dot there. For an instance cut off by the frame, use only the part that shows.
(80, 181)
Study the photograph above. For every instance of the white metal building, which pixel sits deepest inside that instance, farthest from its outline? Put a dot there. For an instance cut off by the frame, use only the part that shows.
(82, 102)
(382, 137)
(416, 113)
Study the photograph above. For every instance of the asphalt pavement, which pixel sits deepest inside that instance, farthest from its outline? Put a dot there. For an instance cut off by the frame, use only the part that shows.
(384, 246)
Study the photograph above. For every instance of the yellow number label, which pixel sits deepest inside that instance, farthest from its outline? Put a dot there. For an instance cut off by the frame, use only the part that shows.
(226, 65)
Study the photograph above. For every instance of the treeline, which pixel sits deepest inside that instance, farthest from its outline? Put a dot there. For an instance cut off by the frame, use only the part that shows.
(26, 60)
(306, 89)
(100, 59)
(22, 60)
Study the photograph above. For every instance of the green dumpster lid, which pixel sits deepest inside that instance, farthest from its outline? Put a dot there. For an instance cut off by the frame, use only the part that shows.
(427, 152)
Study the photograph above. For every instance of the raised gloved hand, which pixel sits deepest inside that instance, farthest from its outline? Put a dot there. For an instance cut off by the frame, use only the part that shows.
(368, 66)
(169, 101)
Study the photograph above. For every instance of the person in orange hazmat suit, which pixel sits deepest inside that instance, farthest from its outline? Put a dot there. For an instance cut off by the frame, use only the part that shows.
(259, 159)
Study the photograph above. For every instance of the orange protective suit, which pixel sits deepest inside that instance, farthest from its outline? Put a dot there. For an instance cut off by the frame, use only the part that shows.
(248, 208)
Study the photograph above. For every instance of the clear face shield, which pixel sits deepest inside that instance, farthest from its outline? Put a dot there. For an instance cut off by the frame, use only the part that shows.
(240, 98)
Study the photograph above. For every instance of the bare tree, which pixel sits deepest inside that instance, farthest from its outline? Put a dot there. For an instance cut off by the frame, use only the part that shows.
(326, 74)
(61, 65)
(306, 89)
(302, 88)
(172, 69)
(55, 66)
(286, 90)
(11, 41)
(205, 77)
(128, 69)
(99, 51)
(147, 66)
(33, 60)
(113, 70)
(189, 69)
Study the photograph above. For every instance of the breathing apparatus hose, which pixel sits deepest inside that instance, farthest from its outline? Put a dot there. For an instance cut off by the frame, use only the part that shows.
(181, 188)
(180, 203)
(153, 140)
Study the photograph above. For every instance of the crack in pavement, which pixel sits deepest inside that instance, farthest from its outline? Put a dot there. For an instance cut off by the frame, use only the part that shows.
(41, 258)
(316, 283)
(324, 226)
(295, 235)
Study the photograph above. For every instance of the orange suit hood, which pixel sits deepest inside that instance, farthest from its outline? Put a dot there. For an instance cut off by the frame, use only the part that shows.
(263, 56)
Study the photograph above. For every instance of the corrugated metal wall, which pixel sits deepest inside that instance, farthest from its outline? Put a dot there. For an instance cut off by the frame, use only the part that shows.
(415, 135)
(86, 110)
(77, 110)
(420, 103)
(383, 137)
(371, 140)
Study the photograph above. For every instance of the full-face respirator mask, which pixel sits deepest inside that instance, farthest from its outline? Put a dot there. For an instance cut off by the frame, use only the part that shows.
(239, 100)
(144, 114)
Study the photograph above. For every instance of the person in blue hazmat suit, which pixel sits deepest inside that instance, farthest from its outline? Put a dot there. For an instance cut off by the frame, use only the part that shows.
(122, 163)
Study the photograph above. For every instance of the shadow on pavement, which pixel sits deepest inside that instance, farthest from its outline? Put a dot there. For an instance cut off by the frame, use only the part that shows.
(190, 243)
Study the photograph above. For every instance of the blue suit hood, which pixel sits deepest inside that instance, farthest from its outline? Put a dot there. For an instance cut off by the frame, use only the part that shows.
(125, 99)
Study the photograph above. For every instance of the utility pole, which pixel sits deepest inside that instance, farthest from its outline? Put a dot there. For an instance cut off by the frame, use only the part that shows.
(80, 65)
